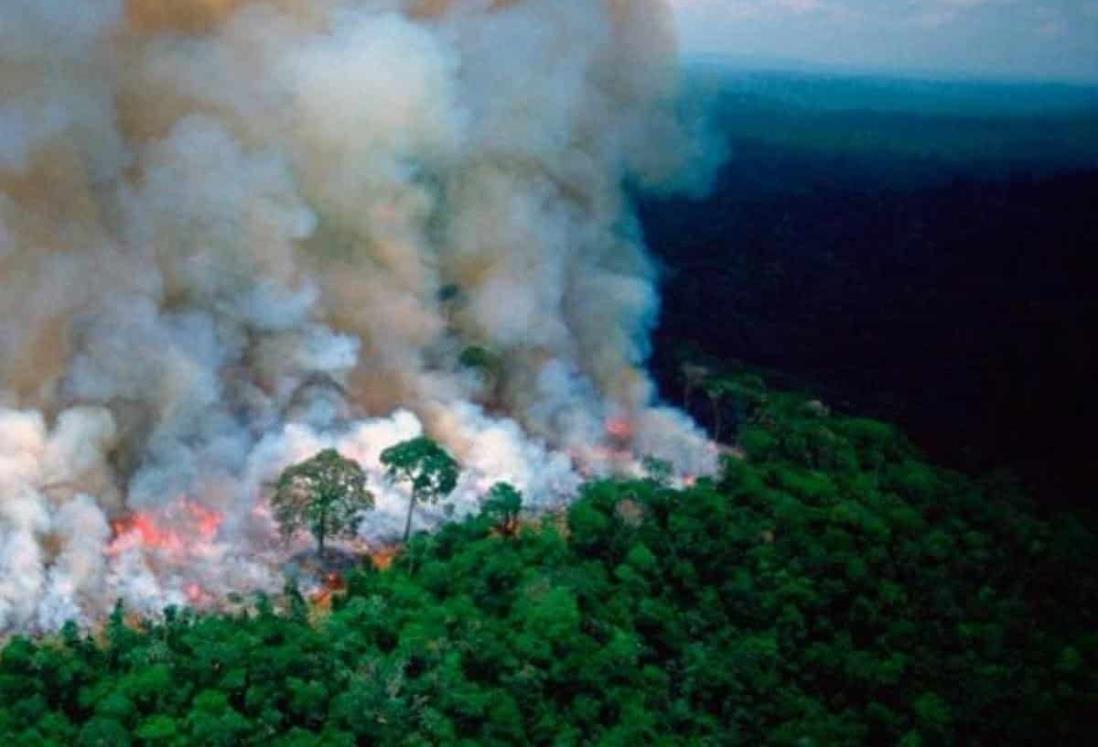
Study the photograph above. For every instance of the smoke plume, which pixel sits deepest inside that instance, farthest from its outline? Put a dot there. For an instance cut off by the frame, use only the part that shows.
(234, 233)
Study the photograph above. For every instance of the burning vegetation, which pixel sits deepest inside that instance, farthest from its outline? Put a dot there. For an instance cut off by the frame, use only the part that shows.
(830, 587)
(177, 529)
(234, 235)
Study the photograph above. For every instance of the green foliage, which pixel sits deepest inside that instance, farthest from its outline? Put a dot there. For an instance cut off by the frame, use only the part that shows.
(428, 469)
(658, 470)
(502, 506)
(830, 589)
(325, 494)
(481, 359)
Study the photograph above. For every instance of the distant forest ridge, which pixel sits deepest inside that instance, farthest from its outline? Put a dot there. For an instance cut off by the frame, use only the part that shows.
(943, 125)
(912, 249)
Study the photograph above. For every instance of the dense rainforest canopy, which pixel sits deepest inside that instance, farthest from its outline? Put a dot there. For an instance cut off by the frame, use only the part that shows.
(829, 587)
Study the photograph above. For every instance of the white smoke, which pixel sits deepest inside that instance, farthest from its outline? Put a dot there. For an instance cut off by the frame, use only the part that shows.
(235, 233)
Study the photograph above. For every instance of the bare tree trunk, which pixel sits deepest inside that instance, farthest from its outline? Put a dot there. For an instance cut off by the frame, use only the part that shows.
(408, 523)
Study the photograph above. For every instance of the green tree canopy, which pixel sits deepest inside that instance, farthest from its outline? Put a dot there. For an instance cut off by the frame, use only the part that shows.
(829, 588)
(427, 468)
(480, 358)
(324, 494)
(502, 505)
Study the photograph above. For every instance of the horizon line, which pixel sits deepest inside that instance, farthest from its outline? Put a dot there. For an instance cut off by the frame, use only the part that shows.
(763, 64)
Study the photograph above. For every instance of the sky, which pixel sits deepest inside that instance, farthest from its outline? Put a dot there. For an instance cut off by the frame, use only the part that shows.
(1032, 39)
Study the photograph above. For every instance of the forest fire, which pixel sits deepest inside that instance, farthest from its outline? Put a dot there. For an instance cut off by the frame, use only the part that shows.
(383, 557)
(176, 330)
(196, 595)
(332, 584)
(182, 527)
(620, 429)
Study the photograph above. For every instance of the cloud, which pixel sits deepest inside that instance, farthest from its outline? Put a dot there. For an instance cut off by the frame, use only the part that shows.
(754, 9)
(716, 14)
(1046, 39)
(938, 13)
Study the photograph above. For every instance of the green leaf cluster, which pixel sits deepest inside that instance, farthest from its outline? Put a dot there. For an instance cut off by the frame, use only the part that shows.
(325, 494)
(426, 467)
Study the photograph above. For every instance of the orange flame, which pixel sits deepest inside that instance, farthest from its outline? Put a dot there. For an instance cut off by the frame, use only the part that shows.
(333, 584)
(619, 428)
(173, 529)
(195, 593)
(383, 558)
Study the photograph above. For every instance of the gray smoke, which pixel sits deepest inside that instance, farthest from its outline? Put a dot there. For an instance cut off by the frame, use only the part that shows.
(234, 233)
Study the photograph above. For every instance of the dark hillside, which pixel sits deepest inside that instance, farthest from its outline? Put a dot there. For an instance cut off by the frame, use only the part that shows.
(951, 294)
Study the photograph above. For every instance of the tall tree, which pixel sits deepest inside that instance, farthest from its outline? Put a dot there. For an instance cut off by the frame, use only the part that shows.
(503, 504)
(430, 471)
(324, 494)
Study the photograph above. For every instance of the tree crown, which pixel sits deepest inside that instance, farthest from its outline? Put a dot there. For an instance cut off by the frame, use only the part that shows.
(426, 466)
(324, 494)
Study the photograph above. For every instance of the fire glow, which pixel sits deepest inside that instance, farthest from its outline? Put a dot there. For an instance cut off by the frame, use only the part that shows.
(619, 429)
(205, 280)
(182, 527)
